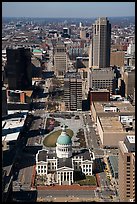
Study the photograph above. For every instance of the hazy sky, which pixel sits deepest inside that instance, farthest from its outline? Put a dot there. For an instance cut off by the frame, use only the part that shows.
(67, 9)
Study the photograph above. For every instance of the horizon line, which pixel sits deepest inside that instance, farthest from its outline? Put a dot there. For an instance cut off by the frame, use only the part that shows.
(62, 17)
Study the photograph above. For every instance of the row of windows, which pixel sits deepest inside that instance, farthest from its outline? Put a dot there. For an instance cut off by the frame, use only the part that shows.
(101, 83)
(63, 150)
(41, 167)
(102, 80)
(86, 170)
(52, 163)
(86, 165)
(41, 171)
(60, 50)
(51, 167)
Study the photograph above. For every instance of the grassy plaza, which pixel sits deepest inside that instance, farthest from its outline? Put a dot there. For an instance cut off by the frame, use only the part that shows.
(50, 140)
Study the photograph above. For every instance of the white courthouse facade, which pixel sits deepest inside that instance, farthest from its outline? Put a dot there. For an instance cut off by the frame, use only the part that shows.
(64, 161)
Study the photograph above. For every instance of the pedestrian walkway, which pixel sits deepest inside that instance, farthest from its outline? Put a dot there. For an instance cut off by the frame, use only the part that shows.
(66, 187)
(68, 199)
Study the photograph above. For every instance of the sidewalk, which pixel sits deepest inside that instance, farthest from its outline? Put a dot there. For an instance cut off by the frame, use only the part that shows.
(66, 187)
(68, 199)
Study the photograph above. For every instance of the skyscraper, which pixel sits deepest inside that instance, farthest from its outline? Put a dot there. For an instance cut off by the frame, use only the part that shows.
(66, 32)
(82, 33)
(18, 68)
(100, 44)
(126, 172)
(60, 59)
(73, 91)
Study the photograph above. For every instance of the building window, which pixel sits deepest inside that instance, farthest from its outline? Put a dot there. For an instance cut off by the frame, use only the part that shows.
(128, 191)
(128, 158)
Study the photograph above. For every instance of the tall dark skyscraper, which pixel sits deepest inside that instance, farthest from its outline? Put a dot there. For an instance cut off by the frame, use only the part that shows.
(18, 68)
(73, 91)
(99, 56)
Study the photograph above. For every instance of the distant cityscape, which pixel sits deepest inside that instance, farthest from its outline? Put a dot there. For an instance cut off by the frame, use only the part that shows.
(68, 109)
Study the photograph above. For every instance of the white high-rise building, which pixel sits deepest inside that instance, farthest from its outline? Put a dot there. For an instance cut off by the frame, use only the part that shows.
(80, 24)
(131, 49)
(82, 33)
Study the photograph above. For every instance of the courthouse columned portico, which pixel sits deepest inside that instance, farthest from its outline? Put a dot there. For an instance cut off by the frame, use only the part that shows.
(65, 176)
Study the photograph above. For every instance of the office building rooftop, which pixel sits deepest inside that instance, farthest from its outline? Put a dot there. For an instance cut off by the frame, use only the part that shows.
(13, 125)
(123, 106)
(72, 75)
(111, 124)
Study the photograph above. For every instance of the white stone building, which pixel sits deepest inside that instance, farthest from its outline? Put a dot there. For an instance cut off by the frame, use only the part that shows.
(64, 162)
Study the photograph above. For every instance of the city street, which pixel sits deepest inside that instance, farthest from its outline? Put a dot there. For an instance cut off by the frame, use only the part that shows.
(91, 137)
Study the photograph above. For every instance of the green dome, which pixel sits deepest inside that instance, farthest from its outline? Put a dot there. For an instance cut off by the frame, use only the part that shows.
(64, 139)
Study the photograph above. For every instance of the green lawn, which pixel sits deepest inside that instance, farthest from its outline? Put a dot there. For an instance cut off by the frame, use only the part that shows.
(50, 140)
(89, 180)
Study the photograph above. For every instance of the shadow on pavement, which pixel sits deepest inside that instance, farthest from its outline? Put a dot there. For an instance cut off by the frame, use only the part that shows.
(24, 196)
